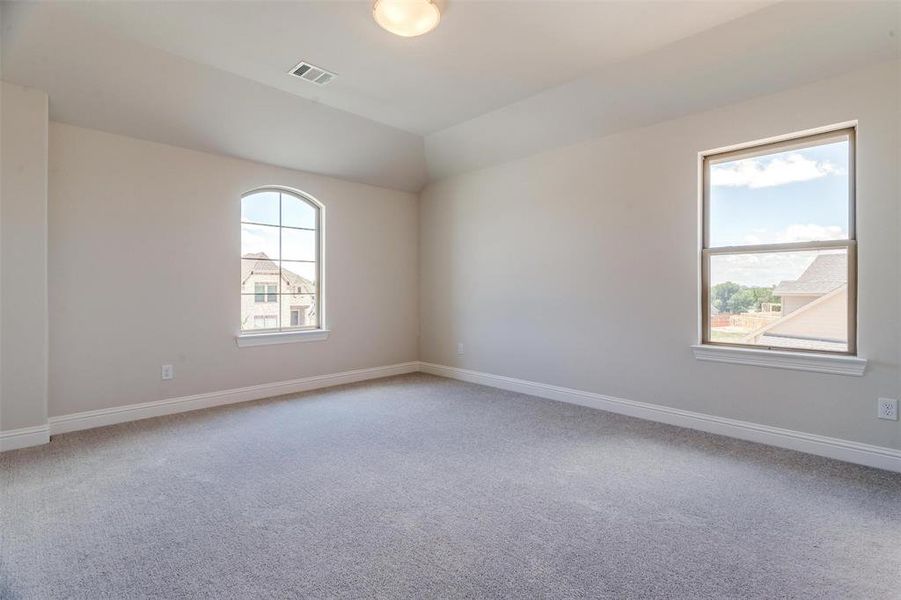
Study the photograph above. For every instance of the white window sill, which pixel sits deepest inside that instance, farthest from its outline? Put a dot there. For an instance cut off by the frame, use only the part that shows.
(246, 340)
(836, 364)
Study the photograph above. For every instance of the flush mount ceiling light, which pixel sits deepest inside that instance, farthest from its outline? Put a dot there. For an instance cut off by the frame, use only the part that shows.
(407, 18)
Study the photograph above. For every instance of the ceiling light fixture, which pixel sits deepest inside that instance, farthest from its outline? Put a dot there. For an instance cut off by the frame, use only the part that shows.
(407, 18)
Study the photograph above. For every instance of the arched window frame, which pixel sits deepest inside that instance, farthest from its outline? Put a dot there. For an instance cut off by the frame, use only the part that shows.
(283, 333)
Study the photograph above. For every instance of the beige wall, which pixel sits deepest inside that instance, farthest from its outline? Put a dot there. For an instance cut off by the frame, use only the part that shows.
(792, 303)
(144, 270)
(579, 266)
(23, 257)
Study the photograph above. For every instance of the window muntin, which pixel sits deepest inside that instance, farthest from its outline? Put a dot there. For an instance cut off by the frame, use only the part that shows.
(280, 261)
(778, 257)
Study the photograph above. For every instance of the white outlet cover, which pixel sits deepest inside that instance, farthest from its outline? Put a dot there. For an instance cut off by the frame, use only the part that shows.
(167, 372)
(459, 348)
(887, 408)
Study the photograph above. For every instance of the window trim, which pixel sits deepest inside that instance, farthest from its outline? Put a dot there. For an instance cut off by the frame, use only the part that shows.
(258, 337)
(795, 360)
(248, 340)
(750, 150)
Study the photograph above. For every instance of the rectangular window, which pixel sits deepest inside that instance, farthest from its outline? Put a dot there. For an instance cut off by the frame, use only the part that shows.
(265, 292)
(779, 252)
(265, 322)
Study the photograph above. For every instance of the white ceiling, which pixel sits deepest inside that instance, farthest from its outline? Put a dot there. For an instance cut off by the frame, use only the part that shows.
(484, 55)
(495, 81)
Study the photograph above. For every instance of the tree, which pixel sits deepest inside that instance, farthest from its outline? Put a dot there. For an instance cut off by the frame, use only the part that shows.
(763, 294)
(742, 301)
(721, 295)
(733, 298)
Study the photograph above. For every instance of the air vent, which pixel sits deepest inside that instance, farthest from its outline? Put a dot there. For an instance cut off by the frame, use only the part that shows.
(313, 74)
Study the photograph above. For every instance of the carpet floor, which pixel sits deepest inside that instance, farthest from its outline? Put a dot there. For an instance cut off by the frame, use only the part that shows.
(422, 487)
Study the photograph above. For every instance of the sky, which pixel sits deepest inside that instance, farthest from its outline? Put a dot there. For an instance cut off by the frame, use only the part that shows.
(794, 196)
(263, 207)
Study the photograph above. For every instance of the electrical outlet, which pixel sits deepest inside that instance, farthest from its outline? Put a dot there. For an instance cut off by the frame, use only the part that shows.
(167, 372)
(888, 409)
(459, 348)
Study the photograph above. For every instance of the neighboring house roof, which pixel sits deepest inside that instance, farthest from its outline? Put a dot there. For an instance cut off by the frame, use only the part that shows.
(826, 273)
(264, 265)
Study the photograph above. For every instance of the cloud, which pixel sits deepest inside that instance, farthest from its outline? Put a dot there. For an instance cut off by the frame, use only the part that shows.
(763, 270)
(760, 173)
(797, 233)
(766, 269)
(256, 238)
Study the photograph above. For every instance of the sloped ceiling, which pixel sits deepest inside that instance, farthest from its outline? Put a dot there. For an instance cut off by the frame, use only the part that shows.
(496, 81)
(770, 50)
(98, 80)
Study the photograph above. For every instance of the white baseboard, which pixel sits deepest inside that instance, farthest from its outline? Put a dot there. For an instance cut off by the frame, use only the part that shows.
(853, 452)
(146, 410)
(25, 437)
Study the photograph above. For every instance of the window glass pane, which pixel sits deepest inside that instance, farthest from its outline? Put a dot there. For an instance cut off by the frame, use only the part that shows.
(261, 207)
(796, 195)
(297, 213)
(791, 299)
(298, 244)
(298, 275)
(259, 241)
(300, 308)
(256, 275)
(259, 315)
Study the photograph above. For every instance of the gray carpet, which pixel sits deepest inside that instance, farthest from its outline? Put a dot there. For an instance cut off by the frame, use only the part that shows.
(421, 487)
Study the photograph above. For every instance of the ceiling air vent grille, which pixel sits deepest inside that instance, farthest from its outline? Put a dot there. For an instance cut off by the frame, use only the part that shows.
(313, 74)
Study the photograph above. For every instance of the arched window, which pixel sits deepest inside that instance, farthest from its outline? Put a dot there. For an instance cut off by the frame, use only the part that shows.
(281, 261)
